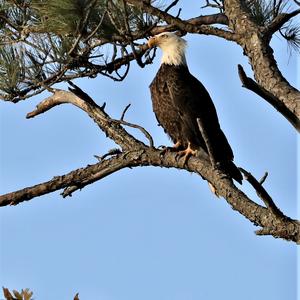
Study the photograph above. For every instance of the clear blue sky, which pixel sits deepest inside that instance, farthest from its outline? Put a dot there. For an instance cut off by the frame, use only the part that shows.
(147, 233)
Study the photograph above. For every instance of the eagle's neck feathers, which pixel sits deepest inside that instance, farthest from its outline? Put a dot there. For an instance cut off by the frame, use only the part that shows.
(174, 54)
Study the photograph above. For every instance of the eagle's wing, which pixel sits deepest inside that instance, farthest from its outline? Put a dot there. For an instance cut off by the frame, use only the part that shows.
(194, 101)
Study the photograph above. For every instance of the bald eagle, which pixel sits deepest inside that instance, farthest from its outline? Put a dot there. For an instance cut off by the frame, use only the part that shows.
(179, 99)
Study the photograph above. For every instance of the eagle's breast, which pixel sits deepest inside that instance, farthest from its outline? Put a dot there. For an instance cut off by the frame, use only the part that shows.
(166, 112)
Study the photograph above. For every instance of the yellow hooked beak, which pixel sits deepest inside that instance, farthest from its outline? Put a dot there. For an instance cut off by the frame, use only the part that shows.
(152, 42)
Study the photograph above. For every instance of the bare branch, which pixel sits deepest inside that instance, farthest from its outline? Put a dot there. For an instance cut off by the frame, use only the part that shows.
(172, 4)
(79, 178)
(124, 111)
(142, 129)
(263, 179)
(110, 128)
(270, 98)
(111, 152)
(262, 193)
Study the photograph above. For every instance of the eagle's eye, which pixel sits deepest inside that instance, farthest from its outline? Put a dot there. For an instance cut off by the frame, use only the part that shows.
(164, 36)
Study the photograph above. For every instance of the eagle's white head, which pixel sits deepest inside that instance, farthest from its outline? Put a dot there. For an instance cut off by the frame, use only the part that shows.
(172, 46)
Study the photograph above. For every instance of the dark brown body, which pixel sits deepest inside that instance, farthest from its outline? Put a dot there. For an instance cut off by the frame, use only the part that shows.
(178, 99)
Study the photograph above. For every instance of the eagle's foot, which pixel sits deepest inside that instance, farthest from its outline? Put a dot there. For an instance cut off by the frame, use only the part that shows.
(175, 148)
(186, 154)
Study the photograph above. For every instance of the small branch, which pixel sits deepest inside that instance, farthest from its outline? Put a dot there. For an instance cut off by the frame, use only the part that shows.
(124, 111)
(111, 152)
(262, 193)
(262, 180)
(131, 39)
(142, 129)
(280, 20)
(172, 4)
(215, 5)
(96, 28)
(275, 232)
(270, 98)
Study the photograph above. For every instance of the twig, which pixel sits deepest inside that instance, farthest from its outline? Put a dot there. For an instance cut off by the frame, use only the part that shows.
(209, 4)
(96, 28)
(263, 194)
(135, 54)
(82, 25)
(111, 152)
(172, 4)
(142, 129)
(262, 180)
(178, 14)
(270, 98)
(124, 111)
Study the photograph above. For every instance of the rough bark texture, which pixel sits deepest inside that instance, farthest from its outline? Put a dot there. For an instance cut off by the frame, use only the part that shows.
(135, 153)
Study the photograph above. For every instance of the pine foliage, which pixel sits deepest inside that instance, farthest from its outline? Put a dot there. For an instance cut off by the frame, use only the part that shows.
(47, 41)
(43, 42)
(264, 11)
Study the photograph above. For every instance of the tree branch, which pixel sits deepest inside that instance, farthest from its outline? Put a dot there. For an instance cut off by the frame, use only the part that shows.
(262, 193)
(112, 129)
(280, 20)
(180, 24)
(250, 84)
(134, 154)
(79, 178)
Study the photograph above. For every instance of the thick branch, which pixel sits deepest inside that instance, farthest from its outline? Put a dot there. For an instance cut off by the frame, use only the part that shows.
(78, 178)
(281, 227)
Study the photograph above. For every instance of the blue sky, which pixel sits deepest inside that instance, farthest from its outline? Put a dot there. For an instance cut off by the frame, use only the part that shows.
(147, 233)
